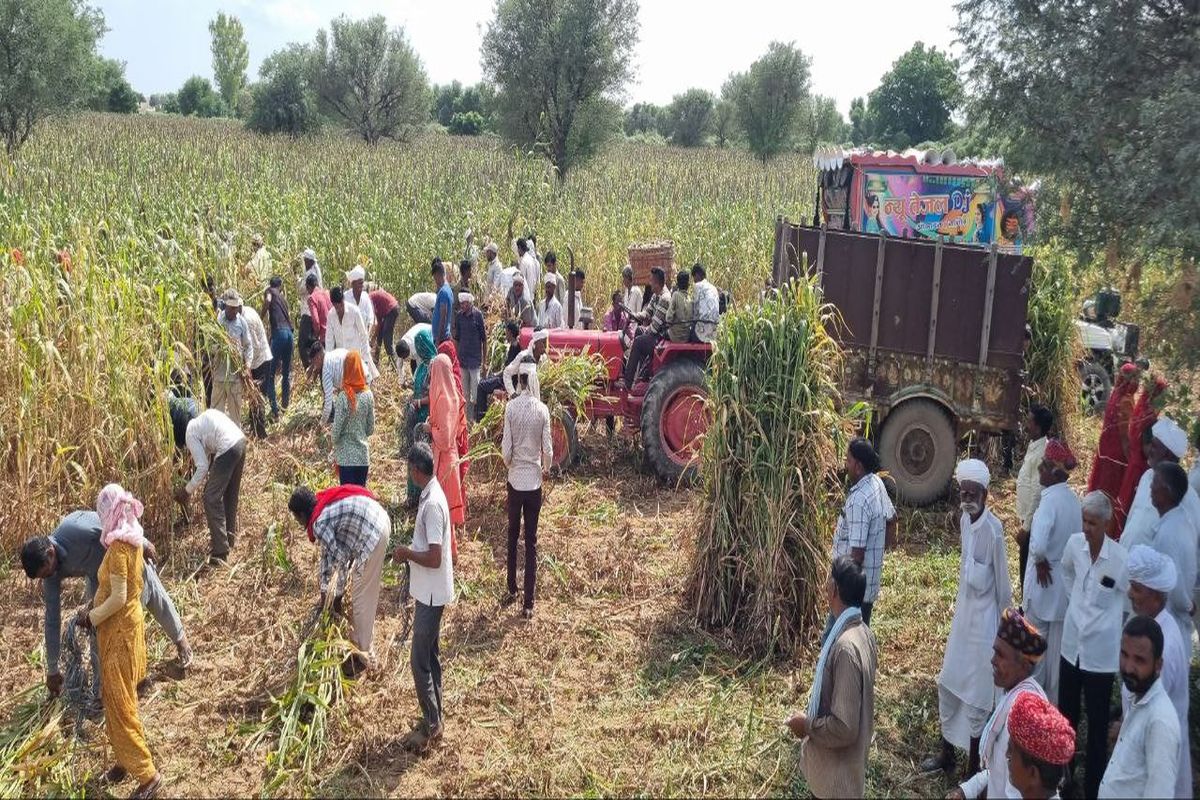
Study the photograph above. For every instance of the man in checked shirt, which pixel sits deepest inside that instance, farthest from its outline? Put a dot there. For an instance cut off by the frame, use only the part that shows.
(352, 530)
(868, 519)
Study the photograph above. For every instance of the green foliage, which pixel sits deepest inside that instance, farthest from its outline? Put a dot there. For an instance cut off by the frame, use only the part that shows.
(724, 122)
(1101, 98)
(557, 67)
(820, 123)
(644, 118)
(197, 99)
(769, 97)
(1054, 344)
(230, 56)
(469, 123)
(913, 102)
(111, 91)
(453, 99)
(370, 79)
(689, 117)
(170, 103)
(862, 129)
(49, 49)
(282, 100)
(770, 469)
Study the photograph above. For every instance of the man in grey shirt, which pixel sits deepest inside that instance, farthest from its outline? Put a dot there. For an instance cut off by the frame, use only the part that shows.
(74, 551)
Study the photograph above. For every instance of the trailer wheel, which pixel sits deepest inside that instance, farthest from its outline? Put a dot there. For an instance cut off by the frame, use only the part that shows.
(565, 440)
(917, 448)
(1095, 386)
(674, 420)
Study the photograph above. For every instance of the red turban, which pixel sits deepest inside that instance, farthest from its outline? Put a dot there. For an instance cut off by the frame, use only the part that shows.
(1057, 452)
(1039, 729)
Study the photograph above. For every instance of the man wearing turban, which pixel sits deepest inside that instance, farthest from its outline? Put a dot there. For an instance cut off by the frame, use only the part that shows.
(966, 692)
(1041, 743)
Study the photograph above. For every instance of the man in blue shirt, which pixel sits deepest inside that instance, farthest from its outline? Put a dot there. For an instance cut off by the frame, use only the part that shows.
(443, 307)
(74, 551)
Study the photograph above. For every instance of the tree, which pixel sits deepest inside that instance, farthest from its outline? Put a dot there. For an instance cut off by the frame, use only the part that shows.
(558, 66)
(454, 100)
(724, 122)
(689, 117)
(111, 92)
(769, 97)
(862, 126)
(914, 100)
(170, 103)
(197, 98)
(466, 123)
(1100, 99)
(643, 117)
(369, 78)
(820, 123)
(48, 49)
(230, 56)
(283, 102)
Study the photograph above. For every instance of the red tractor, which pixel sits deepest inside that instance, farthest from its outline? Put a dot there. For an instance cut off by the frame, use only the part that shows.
(669, 410)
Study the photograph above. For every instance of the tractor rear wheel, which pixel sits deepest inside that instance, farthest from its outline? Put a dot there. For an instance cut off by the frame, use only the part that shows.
(565, 440)
(917, 448)
(674, 419)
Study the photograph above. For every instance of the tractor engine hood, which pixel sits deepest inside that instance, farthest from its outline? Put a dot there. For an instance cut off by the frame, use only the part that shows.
(573, 342)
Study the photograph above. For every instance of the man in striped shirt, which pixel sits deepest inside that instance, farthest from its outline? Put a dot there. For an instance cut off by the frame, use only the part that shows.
(654, 316)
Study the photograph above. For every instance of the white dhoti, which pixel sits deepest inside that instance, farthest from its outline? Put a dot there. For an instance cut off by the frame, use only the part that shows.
(961, 721)
(1046, 672)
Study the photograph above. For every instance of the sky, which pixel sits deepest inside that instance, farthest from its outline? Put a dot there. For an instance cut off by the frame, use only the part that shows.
(681, 45)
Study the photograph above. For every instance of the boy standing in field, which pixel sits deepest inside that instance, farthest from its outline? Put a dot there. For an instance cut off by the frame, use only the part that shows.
(470, 338)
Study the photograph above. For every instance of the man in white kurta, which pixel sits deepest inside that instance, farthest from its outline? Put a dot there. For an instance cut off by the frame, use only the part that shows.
(361, 298)
(1058, 517)
(1174, 537)
(1151, 579)
(1037, 425)
(966, 690)
(1016, 651)
(345, 329)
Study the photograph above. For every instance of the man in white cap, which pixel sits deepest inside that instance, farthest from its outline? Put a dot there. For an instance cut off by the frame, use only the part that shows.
(534, 354)
(550, 311)
(530, 268)
(1167, 442)
(518, 304)
(306, 335)
(1152, 578)
(528, 453)
(232, 359)
(496, 282)
(259, 265)
(1174, 536)
(357, 278)
(345, 329)
(966, 687)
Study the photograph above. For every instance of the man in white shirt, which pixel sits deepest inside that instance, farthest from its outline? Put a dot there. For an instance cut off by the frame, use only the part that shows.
(1173, 536)
(555, 277)
(232, 359)
(865, 522)
(361, 298)
(631, 295)
(1151, 579)
(528, 452)
(329, 365)
(406, 347)
(431, 584)
(345, 329)
(1096, 581)
(706, 305)
(1038, 423)
(218, 449)
(496, 281)
(420, 307)
(966, 693)
(550, 313)
(1017, 649)
(531, 270)
(260, 366)
(258, 268)
(1145, 760)
(1057, 518)
(535, 353)
(1167, 442)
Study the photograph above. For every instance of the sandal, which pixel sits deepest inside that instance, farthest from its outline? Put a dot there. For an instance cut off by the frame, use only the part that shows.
(148, 789)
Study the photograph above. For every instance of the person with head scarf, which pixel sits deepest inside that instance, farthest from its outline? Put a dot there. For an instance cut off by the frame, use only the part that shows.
(1152, 579)
(518, 304)
(862, 527)
(353, 423)
(1096, 582)
(448, 349)
(116, 614)
(445, 423)
(1016, 651)
(535, 353)
(1142, 418)
(1058, 517)
(417, 410)
(966, 692)
(528, 453)
(1041, 744)
(74, 550)
(1112, 455)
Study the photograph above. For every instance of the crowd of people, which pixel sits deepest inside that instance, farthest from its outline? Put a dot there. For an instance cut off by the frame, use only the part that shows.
(1107, 584)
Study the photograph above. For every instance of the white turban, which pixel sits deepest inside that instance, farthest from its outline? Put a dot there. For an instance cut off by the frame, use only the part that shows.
(466, 297)
(973, 470)
(518, 278)
(1151, 568)
(309, 254)
(356, 274)
(1167, 431)
(491, 247)
(540, 335)
(530, 372)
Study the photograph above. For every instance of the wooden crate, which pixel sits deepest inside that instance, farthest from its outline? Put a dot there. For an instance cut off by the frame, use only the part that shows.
(643, 257)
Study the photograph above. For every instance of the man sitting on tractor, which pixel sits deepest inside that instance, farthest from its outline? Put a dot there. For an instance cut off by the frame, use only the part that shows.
(655, 312)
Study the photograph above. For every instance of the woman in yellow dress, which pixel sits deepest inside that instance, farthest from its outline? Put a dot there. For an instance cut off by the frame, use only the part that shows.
(120, 634)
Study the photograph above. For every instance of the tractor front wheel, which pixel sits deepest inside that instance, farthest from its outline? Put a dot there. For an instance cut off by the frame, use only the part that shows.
(674, 420)
(565, 440)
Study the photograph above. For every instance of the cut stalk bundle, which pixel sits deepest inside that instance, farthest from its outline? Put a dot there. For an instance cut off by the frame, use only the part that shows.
(770, 463)
(298, 719)
(34, 751)
(1054, 347)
